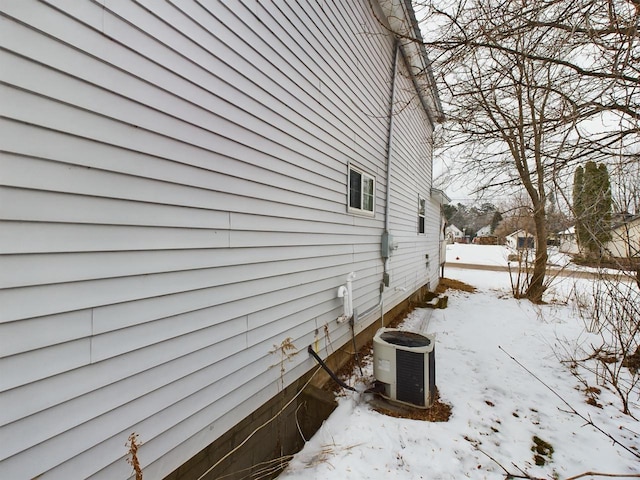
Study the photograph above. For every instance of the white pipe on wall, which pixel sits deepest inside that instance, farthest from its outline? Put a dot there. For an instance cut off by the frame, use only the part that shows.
(346, 293)
(350, 278)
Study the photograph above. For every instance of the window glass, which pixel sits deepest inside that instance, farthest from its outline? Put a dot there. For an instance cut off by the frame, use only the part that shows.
(367, 194)
(422, 205)
(362, 192)
(355, 189)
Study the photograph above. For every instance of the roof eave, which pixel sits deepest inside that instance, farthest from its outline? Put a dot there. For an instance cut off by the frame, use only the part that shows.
(440, 196)
(403, 23)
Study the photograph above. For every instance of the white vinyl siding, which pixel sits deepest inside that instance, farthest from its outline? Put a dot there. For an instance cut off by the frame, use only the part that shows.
(172, 205)
(411, 177)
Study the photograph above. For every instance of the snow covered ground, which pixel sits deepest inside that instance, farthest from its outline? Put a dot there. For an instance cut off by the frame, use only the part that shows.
(496, 255)
(492, 255)
(497, 407)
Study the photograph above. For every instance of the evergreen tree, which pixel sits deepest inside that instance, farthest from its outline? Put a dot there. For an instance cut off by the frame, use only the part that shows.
(495, 220)
(592, 207)
(603, 206)
(578, 207)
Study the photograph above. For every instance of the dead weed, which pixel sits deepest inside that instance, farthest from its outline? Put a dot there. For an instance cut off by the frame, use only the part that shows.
(438, 412)
(448, 283)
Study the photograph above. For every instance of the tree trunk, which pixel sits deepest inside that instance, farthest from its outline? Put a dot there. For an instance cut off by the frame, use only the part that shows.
(537, 285)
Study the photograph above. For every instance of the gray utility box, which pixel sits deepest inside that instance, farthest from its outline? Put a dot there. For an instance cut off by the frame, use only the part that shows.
(404, 366)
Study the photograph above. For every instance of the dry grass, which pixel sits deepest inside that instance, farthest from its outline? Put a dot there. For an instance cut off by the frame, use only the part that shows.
(438, 412)
(448, 283)
(287, 351)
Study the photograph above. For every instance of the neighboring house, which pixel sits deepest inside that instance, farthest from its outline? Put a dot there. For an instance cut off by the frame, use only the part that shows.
(453, 234)
(484, 236)
(484, 231)
(520, 239)
(568, 242)
(185, 186)
(624, 243)
(625, 239)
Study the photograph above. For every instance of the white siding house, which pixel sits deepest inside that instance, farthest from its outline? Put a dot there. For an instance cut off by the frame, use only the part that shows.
(453, 233)
(520, 239)
(625, 239)
(484, 231)
(624, 243)
(568, 241)
(183, 186)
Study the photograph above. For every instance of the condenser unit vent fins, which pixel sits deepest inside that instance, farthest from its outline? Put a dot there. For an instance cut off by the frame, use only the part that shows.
(410, 377)
(432, 378)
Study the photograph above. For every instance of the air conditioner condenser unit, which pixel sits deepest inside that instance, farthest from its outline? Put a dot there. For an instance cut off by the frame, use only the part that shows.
(404, 366)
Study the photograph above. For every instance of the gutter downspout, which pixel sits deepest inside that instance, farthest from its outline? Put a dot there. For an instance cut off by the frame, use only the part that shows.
(386, 240)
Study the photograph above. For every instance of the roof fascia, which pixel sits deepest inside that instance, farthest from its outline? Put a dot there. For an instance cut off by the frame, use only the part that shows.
(403, 24)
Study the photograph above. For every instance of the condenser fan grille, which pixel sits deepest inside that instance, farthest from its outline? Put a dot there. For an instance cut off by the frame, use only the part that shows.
(404, 366)
(410, 377)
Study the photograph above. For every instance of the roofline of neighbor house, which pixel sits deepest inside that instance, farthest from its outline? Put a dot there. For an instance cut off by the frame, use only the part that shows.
(403, 23)
(625, 223)
(521, 230)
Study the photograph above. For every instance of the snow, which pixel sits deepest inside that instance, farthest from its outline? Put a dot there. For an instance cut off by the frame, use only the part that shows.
(497, 406)
(496, 255)
(477, 254)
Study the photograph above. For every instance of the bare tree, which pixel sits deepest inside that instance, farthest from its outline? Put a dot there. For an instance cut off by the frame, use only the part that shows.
(600, 52)
(523, 83)
(507, 108)
(625, 183)
(612, 312)
(516, 215)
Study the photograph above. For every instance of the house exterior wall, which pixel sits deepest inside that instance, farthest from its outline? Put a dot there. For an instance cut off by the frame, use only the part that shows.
(520, 239)
(568, 243)
(173, 203)
(484, 231)
(411, 179)
(625, 240)
(453, 233)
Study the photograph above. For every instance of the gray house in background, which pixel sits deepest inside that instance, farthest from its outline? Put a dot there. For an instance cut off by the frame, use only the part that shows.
(185, 186)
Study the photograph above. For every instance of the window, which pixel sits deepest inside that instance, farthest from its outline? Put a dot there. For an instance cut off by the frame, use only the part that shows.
(422, 206)
(362, 191)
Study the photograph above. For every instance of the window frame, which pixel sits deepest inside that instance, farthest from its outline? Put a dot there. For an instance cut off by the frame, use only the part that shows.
(363, 177)
(422, 215)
